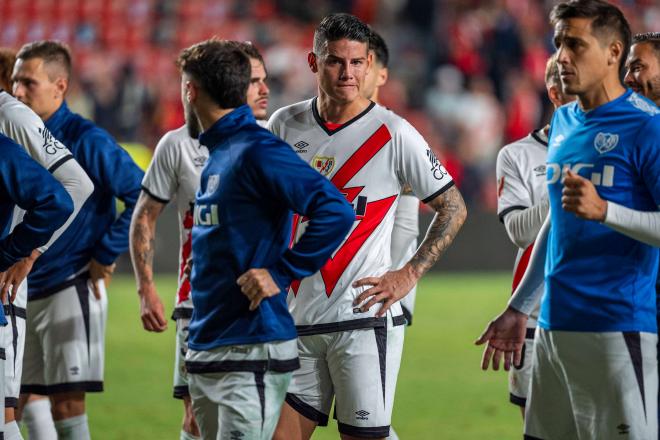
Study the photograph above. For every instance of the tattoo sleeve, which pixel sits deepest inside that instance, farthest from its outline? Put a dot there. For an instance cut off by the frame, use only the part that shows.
(450, 216)
(142, 236)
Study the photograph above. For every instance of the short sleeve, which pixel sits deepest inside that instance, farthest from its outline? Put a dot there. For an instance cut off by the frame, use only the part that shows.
(512, 194)
(26, 128)
(160, 179)
(417, 165)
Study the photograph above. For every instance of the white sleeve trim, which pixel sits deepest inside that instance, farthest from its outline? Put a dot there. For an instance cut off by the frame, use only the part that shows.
(523, 225)
(643, 226)
(527, 295)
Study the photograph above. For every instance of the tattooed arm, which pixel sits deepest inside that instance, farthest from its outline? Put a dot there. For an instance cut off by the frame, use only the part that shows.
(394, 285)
(142, 233)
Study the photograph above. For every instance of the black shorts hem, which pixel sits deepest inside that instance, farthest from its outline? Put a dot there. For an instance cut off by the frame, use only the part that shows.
(182, 313)
(531, 437)
(180, 391)
(306, 410)
(275, 365)
(364, 432)
(335, 327)
(11, 402)
(48, 390)
(518, 401)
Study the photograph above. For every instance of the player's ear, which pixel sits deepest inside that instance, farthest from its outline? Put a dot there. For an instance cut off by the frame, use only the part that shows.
(382, 77)
(311, 60)
(191, 92)
(554, 95)
(61, 85)
(616, 51)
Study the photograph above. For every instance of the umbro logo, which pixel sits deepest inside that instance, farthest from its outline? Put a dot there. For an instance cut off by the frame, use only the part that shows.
(236, 435)
(623, 429)
(199, 161)
(539, 170)
(74, 371)
(300, 146)
(362, 414)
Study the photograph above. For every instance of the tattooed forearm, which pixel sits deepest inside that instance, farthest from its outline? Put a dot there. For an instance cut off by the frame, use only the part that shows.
(450, 216)
(142, 238)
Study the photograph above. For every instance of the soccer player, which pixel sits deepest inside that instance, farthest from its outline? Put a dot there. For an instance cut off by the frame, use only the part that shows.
(406, 217)
(25, 183)
(174, 173)
(23, 126)
(67, 302)
(522, 200)
(344, 312)
(643, 66)
(242, 344)
(594, 372)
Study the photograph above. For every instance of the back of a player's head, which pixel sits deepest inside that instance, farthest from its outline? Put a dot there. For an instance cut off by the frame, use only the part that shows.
(552, 77)
(607, 21)
(56, 57)
(650, 38)
(379, 47)
(335, 27)
(7, 60)
(220, 68)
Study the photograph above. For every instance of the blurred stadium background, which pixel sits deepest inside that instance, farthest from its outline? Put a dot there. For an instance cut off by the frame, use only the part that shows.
(468, 74)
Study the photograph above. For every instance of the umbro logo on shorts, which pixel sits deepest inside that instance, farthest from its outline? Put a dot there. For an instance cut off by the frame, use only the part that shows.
(362, 414)
(74, 371)
(623, 429)
(236, 435)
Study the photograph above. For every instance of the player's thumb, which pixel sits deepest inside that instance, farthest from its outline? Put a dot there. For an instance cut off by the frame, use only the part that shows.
(485, 336)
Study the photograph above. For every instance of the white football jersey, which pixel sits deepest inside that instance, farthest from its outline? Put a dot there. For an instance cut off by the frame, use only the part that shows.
(21, 124)
(368, 159)
(521, 184)
(174, 174)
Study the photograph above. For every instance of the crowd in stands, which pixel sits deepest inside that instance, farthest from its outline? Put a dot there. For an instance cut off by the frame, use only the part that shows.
(468, 74)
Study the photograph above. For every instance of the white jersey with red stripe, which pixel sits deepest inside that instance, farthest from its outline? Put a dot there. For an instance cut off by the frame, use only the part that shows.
(174, 174)
(368, 159)
(521, 184)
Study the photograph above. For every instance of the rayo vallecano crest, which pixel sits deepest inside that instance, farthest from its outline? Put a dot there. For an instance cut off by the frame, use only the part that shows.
(212, 183)
(323, 165)
(605, 142)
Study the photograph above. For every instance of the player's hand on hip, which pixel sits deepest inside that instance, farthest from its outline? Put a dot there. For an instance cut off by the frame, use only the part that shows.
(152, 311)
(505, 336)
(257, 284)
(98, 271)
(387, 289)
(580, 197)
(14, 276)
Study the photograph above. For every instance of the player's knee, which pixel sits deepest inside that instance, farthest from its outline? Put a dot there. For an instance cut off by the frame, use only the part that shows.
(67, 405)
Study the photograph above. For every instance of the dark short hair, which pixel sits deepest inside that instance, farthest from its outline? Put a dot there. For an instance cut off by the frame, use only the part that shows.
(652, 38)
(552, 71)
(337, 27)
(607, 19)
(250, 50)
(378, 45)
(51, 51)
(7, 60)
(220, 68)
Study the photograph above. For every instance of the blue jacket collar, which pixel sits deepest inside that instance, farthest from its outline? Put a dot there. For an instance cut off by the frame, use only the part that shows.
(226, 126)
(57, 119)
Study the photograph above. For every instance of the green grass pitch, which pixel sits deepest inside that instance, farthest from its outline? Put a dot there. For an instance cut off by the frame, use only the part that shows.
(441, 393)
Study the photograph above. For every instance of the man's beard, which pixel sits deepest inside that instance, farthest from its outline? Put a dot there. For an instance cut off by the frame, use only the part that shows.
(192, 123)
(653, 87)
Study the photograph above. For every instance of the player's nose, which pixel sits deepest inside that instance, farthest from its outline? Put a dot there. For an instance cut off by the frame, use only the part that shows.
(628, 79)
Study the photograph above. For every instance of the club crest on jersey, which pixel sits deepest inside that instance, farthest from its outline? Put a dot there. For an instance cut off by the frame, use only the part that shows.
(323, 165)
(212, 183)
(605, 142)
(558, 140)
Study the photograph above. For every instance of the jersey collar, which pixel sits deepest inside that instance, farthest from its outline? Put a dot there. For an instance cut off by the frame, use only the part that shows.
(321, 122)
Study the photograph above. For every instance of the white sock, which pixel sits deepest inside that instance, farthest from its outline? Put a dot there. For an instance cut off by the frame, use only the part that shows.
(38, 420)
(12, 432)
(73, 428)
(393, 435)
(187, 436)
